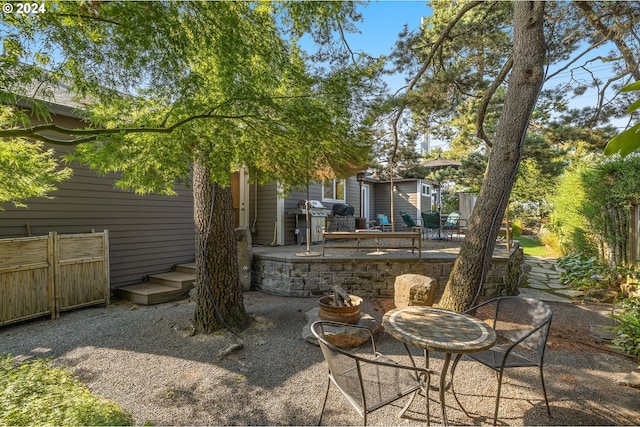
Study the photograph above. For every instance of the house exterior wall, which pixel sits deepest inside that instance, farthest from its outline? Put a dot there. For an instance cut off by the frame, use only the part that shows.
(266, 207)
(405, 200)
(291, 204)
(352, 197)
(372, 200)
(382, 198)
(263, 213)
(148, 234)
(424, 199)
(408, 198)
(264, 201)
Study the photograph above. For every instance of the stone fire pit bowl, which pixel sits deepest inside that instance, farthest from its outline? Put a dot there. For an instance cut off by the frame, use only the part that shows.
(345, 314)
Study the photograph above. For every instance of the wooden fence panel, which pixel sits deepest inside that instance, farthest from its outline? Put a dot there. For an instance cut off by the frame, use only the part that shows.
(45, 275)
(82, 270)
(26, 282)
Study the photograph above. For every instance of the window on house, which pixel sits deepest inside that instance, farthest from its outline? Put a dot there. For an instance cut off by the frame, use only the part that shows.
(333, 190)
(426, 190)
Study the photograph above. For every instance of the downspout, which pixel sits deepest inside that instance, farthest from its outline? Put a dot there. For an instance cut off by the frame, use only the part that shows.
(255, 208)
(279, 238)
(419, 199)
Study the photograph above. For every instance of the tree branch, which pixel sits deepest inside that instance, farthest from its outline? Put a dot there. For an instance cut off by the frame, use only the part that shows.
(484, 104)
(89, 135)
(573, 61)
(610, 34)
(434, 49)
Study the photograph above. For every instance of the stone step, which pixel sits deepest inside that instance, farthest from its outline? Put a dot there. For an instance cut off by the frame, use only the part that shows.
(174, 279)
(187, 268)
(150, 293)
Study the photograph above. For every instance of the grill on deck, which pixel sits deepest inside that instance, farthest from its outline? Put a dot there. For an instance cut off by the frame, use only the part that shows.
(318, 215)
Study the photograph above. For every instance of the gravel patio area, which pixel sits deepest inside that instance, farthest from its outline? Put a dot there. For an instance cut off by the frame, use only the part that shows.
(146, 359)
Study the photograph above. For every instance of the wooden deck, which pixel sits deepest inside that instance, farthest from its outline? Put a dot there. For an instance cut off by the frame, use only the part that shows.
(431, 249)
(383, 241)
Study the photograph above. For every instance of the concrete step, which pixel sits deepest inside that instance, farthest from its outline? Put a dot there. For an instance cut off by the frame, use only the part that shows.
(150, 293)
(174, 279)
(187, 268)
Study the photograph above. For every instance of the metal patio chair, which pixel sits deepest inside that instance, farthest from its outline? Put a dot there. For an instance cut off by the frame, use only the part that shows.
(383, 223)
(368, 379)
(522, 326)
(452, 225)
(410, 223)
(431, 223)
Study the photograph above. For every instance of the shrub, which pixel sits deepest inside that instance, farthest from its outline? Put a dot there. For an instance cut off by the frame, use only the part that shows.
(516, 228)
(581, 272)
(550, 239)
(591, 207)
(628, 332)
(34, 393)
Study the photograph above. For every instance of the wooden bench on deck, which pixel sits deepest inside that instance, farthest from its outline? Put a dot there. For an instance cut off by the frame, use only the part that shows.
(378, 235)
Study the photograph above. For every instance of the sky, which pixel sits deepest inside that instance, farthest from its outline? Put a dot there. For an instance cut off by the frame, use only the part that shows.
(384, 20)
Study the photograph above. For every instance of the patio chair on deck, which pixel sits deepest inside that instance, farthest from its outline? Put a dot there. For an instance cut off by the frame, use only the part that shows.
(409, 223)
(431, 223)
(369, 381)
(383, 223)
(522, 326)
(452, 225)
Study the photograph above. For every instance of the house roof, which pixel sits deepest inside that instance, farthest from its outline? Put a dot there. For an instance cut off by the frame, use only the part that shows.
(60, 103)
(442, 163)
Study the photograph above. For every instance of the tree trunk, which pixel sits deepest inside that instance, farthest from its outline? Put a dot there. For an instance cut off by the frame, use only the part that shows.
(219, 302)
(525, 81)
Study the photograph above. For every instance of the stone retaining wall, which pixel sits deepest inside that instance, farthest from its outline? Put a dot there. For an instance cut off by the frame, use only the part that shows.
(300, 276)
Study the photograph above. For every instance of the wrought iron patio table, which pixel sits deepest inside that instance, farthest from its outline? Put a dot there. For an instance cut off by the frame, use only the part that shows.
(434, 329)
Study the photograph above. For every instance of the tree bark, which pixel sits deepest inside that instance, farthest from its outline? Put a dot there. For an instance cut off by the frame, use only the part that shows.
(219, 302)
(525, 81)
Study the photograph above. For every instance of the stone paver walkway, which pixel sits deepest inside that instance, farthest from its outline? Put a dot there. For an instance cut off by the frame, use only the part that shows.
(542, 281)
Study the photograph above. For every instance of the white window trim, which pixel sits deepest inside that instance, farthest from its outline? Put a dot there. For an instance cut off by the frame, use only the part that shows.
(425, 186)
(333, 181)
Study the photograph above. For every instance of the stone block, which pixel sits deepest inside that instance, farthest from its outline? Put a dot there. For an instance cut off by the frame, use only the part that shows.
(414, 289)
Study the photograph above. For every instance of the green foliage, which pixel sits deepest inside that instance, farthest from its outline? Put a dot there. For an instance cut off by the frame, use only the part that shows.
(568, 225)
(549, 238)
(516, 228)
(27, 170)
(591, 207)
(628, 331)
(34, 393)
(169, 83)
(447, 99)
(470, 174)
(582, 272)
(629, 140)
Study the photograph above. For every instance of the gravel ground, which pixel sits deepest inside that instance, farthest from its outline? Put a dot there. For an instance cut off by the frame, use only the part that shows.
(145, 359)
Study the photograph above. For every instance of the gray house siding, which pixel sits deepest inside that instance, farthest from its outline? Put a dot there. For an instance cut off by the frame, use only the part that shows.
(408, 198)
(291, 204)
(148, 234)
(405, 200)
(263, 213)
